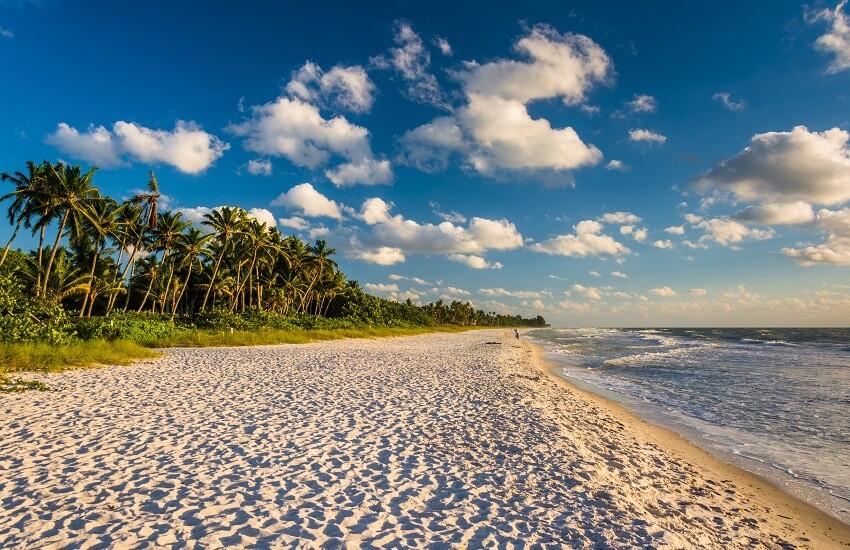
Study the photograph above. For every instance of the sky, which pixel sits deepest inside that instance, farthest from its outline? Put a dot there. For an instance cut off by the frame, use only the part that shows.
(597, 163)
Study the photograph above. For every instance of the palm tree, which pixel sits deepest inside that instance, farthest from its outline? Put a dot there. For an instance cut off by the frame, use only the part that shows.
(149, 202)
(103, 222)
(226, 222)
(166, 235)
(191, 247)
(24, 197)
(321, 263)
(70, 193)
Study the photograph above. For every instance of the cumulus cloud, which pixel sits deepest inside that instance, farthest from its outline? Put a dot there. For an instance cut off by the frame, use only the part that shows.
(294, 222)
(493, 129)
(785, 167)
(791, 213)
(619, 274)
(835, 250)
(647, 136)
(366, 171)
(675, 230)
(196, 214)
(263, 216)
(665, 291)
(259, 167)
(727, 231)
(308, 202)
(616, 165)
(343, 87)
(411, 60)
(294, 129)
(699, 291)
(665, 244)
(187, 148)
(473, 261)
(383, 255)
(588, 240)
(642, 103)
(522, 294)
(381, 287)
(726, 100)
(623, 218)
(637, 233)
(588, 292)
(444, 46)
(836, 40)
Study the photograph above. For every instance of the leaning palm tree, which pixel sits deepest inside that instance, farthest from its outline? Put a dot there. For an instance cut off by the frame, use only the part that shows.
(24, 197)
(226, 222)
(321, 264)
(102, 222)
(166, 235)
(149, 201)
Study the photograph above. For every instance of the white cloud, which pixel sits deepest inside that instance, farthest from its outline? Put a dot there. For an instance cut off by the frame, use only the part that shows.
(588, 240)
(6, 33)
(506, 137)
(559, 65)
(444, 46)
(616, 165)
(726, 232)
(623, 218)
(295, 222)
(259, 167)
(590, 110)
(411, 60)
(588, 292)
(594, 274)
(637, 233)
(784, 167)
(457, 291)
(375, 210)
(365, 171)
(619, 274)
(835, 250)
(263, 216)
(665, 244)
(380, 287)
(699, 291)
(778, 214)
(648, 136)
(836, 40)
(475, 262)
(675, 230)
(642, 103)
(383, 255)
(294, 129)
(188, 148)
(308, 202)
(342, 87)
(429, 147)
(493, 128)
(522, 294)
(663, 291)
(454, 217)
(726, 100)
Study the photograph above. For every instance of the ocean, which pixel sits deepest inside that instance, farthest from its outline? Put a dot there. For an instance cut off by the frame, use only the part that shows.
(775, 402)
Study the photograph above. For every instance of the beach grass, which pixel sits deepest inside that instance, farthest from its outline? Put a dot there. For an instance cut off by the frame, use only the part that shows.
(274, 336)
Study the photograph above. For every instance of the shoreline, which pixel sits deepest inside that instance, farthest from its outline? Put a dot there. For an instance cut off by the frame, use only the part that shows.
(798, 515)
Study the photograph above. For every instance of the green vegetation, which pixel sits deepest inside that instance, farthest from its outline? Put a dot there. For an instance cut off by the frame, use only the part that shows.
(109, 279)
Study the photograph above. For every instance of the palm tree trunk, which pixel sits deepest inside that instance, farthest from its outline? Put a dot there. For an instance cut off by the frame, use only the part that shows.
(212, 278)
(182, 291)
(91, 278)
(114, 294)
(148, 293)
(9, 244)
(55, 249)
(40, 255)
(129, 266)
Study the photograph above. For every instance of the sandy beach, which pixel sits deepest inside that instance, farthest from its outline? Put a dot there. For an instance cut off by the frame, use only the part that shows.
(442, 440)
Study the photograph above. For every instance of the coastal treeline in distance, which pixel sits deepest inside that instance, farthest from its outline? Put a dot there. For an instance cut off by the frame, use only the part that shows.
(106, 269)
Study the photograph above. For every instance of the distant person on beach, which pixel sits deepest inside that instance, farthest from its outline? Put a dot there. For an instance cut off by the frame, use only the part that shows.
(516, 333)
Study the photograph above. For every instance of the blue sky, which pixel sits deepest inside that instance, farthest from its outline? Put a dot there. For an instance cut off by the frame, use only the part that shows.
(516, 127)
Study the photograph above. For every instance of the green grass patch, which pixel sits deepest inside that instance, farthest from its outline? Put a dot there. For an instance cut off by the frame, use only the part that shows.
(199, 339)
(31, 356)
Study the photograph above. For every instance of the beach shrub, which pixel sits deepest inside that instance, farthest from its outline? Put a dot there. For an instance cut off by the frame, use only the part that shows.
(25, 318)
(136, 327)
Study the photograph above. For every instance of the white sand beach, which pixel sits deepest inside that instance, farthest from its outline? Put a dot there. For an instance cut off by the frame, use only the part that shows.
(442, 440)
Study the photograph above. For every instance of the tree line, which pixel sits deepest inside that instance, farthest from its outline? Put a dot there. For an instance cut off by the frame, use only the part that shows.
(97, 256)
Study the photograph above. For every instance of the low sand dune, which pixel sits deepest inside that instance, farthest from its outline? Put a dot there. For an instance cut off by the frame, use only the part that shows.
(440, 440)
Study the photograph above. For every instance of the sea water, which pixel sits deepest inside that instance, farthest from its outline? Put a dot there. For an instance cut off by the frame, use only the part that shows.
(772, 401)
